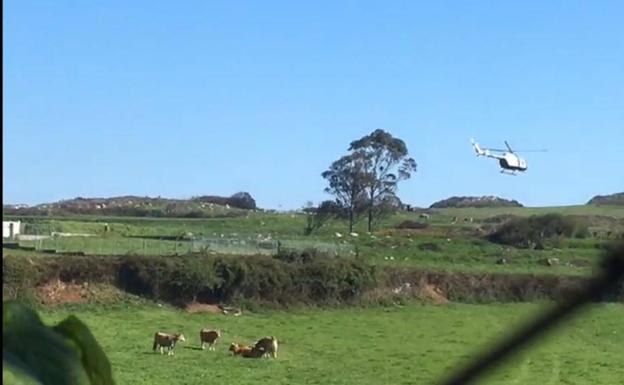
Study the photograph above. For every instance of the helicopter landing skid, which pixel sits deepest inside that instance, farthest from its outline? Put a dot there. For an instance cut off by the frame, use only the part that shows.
(508, 172)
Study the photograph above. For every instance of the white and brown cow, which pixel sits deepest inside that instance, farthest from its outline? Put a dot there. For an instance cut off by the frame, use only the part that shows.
(209, 336)
(168, 341)
(268, 346)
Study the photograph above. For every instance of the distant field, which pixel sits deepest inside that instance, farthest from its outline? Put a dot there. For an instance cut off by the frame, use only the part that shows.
(407, 345)
(456, 254)
(615, 211)
(444, 245)
(282, 224)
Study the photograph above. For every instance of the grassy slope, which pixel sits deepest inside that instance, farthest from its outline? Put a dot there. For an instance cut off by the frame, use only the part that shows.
(409, 345)
(616, 211)
(459, 249)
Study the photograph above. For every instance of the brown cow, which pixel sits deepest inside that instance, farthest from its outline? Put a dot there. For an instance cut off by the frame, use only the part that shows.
(237, 348)
(209, 336)
(268, 346)
(164, 340)
(245, 351)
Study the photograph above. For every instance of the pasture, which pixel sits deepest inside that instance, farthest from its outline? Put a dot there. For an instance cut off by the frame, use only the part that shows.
(415, 344)
(410, 344)
(444, 245)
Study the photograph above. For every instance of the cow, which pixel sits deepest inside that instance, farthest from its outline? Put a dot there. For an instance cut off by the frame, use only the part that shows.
(209, 336)
(268, 345)
(245, 351)
(164, 340)
(237, 348)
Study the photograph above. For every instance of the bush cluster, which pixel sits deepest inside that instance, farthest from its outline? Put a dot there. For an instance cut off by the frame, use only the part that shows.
(538, 230)
(308, 278)
(287, 279)
(407, 224)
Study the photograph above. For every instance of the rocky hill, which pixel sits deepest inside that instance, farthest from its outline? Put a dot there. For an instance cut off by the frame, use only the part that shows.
(136, 206)
(485, 201)
(616, 199)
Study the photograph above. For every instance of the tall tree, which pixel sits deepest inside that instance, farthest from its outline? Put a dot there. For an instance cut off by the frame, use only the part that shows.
(347, 182)
(384, 162)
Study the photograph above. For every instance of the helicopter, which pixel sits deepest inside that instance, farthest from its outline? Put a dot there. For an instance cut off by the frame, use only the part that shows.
(509, 161)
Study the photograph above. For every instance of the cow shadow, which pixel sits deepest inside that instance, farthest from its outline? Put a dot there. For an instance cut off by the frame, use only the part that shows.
(192, 348)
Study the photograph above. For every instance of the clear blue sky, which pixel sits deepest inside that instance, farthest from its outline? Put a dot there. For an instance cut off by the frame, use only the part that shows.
(206, 97)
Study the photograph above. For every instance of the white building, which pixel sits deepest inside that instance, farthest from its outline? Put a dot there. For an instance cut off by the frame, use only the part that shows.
(10, 229)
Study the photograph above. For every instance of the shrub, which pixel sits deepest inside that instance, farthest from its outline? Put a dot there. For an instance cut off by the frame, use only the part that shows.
(307, 255)
(224, 279)
(415, 225)
(242, 200)
(534, 231)
(64, 354)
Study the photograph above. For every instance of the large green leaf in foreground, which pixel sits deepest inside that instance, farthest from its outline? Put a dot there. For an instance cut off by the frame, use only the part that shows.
(33, 353)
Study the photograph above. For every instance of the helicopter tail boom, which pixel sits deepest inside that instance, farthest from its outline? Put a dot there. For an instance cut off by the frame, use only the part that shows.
(478, 148)
(484, 151)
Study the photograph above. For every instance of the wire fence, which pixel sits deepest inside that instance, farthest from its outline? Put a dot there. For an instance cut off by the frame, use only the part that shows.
(272, 246)
(149, 246)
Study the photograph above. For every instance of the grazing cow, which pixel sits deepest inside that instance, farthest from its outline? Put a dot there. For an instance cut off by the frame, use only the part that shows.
(268, 346)
(245, 351)
(164, 340)
(209, 336)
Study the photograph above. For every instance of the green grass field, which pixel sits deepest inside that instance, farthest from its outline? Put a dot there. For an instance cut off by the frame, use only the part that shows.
(456, 246)
(415, 344)
(283, 224)
(614, 211)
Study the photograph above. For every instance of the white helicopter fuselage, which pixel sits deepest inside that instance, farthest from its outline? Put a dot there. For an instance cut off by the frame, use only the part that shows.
(507, 160)
(512, 162)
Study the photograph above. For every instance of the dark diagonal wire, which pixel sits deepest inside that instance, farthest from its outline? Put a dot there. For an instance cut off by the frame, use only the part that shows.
(608, 280)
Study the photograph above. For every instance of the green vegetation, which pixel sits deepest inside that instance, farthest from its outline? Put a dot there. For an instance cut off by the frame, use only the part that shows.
(365, 180)
(443, 256)
(436, 243)
(399, 345)
(537, 230)
(286, 280)
(611, 211)
(35, 354)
